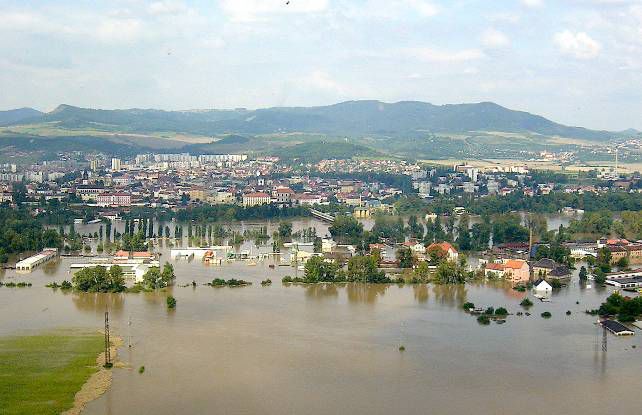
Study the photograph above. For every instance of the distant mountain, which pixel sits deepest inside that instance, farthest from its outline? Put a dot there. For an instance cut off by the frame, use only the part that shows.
(353, 118)
(20, 114)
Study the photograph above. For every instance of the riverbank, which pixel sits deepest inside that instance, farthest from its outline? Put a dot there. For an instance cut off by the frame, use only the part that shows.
(52, 372)
(99, 382)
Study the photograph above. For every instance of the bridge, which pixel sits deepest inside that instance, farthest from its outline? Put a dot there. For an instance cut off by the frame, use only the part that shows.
(321, 215)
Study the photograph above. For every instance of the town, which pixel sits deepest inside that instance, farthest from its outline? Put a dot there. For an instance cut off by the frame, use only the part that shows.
(420, 216)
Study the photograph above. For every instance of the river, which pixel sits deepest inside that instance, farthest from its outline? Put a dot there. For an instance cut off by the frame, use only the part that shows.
(333, 349)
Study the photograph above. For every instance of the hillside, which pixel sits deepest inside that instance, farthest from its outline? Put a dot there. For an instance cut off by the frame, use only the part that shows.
(353, 118)
(17, 115)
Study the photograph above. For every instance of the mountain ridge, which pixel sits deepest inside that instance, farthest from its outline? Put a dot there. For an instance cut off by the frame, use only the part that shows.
(359, 118)
(18, 114)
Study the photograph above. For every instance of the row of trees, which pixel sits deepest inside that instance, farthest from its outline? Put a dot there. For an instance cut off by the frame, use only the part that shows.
(112, 280)
(20, 232)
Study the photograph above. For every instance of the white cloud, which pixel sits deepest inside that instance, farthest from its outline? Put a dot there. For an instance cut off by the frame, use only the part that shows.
(167, 7)
(322, 81)
(493, 38)
(119, 30)
(533, 3)
(424, 8)
(444, 56)
(579, 45)
(257, 10)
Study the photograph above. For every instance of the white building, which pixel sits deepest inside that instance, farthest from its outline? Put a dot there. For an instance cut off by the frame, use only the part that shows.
(115, 164)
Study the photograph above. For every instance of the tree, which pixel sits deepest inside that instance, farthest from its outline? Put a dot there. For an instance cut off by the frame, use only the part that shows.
(480, 236)
(508, 228)
(623, 262)
(171, 302)
(436, 255)
(317, 245)
(463, 233)
(415, 229)
(153, 278)
(422, 271)
(134, 242)
(285, 230)
(449, 272)
(583, 273)
(405, 257)
(346, 229)
(98, 279)
(318, 270)
(603, 261)
(363, 268)
(167, 276)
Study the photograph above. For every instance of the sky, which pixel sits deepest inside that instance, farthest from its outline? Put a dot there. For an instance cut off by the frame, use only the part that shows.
(578, 62)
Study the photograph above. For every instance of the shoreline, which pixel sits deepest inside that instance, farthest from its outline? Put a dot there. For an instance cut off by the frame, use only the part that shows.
(99, 382)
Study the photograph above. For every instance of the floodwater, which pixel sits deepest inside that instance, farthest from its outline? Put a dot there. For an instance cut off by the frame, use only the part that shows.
(333, 349)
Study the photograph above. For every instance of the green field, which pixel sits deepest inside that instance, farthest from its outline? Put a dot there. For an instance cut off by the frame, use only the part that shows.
(40, 374)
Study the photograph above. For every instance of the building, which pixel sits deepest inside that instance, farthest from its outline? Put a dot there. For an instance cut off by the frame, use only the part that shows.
(6, 197)
(115, 164)
(283, 195)
(89, 192)
(449, 250)
(542, 286)
(221, 197)
(625, 279)
(197, 193)
(114, 199)
(514, 270)
(546, 267)
(256, 199)
(28, 264)
(617, 328)
(632, 252)
(361, 212)
(309, 199)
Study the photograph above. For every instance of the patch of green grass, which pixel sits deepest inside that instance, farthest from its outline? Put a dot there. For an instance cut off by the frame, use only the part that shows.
(41, 374)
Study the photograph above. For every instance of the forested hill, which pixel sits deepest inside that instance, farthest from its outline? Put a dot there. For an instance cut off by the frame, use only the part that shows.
(17, 115)
(352, 118)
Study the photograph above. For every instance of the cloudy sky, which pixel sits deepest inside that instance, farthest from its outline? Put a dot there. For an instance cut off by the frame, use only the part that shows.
(575, 61)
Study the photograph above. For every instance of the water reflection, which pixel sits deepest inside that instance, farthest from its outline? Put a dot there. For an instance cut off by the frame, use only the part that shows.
(321, 291)
(421, 293)
(52, 267)
(99, 302)
(452, 295)
(365, 293)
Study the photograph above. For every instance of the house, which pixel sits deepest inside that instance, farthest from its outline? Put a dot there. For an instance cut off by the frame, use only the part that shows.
(197, 193)
(514, 270)
(256, 199)
(114, 199)
(283, 195)
(449, 250)
(545, 267)
(309, 199)
(361, 212)
(632, 252)
(415, 246)
(542, 286)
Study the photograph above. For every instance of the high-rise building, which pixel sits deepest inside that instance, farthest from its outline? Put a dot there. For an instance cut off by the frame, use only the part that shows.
(115, 164)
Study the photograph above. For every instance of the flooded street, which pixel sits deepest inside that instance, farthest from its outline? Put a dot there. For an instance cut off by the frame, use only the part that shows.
(333, 349)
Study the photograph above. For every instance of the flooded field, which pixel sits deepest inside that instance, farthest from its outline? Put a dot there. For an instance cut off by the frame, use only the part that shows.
(334, 349)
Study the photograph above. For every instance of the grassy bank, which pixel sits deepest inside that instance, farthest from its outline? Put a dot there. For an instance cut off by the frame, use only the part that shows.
(40, 374)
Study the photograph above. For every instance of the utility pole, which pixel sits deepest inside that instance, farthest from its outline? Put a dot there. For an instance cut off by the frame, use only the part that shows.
(108, 363)
(129, 331)
(604, 338)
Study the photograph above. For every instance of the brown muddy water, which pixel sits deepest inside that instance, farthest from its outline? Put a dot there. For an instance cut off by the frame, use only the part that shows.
(333, 349)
